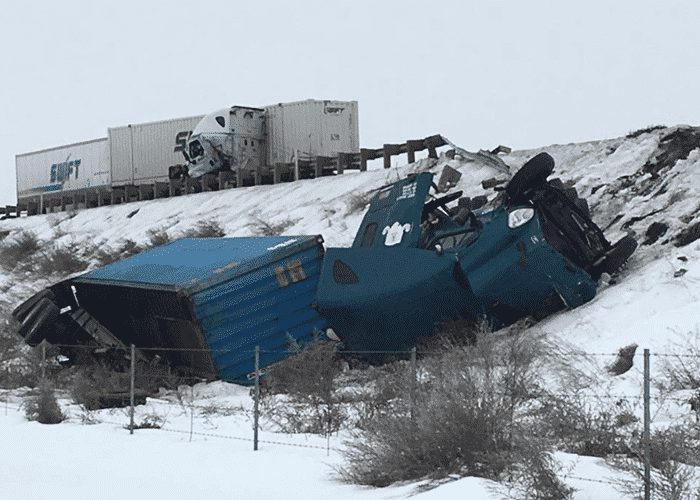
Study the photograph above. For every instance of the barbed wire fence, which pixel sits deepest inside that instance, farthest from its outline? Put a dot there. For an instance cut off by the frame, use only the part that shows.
(411, 356)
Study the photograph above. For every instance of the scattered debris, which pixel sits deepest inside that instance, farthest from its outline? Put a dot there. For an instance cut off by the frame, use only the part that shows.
(492, 183)
(675, 146)
(655, 231)
(680, 272)
(688, 235)
(624, 361)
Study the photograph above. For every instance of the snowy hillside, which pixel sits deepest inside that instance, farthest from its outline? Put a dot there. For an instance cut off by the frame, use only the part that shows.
(645, 184)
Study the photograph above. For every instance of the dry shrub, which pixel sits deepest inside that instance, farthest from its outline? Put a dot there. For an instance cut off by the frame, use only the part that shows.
(19, 365)
(205, 229)
(60, 260)
(358, 202)
(92, 382)
(108, 255)
(96, 384)
(681, 369)
(158, 236)
(43, 407)
(18, 249)
(301, 391)
(265, 228)
(584, 426)
(470, 415)
(674, 460)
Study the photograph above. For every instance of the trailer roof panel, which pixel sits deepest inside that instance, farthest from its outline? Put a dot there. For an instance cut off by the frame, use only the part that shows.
(195, 264)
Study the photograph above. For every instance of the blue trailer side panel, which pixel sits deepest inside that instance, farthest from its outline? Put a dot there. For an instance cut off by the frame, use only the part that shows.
(242, 293)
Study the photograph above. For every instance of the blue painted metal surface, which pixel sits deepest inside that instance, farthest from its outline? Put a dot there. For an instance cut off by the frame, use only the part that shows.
(242, 292)
(406, 271)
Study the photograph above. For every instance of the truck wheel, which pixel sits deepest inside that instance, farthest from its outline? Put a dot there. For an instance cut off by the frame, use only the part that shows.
(616, 257)
(533, 173)
(39, 321)
(23, 309)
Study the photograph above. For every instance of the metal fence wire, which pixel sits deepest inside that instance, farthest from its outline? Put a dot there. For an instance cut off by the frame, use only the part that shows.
(187, 402)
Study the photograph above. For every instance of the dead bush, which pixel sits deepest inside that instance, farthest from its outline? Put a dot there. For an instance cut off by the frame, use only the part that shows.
(107, 255)
(158, 236)
(17, 249)
(43, 407)
(584, 426)
(205, 229)
(60, 260)
(301, 393)
(358, 202)
(97, 383)
(265, 228)
(91, 382)
(19, 365)
(674, 459)
(471, 414)
(681, 370)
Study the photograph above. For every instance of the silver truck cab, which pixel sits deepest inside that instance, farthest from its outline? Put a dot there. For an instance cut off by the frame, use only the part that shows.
(228, 139)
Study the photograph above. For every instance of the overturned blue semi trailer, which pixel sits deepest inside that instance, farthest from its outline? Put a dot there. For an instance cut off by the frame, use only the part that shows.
(418, 259)
(202, 304)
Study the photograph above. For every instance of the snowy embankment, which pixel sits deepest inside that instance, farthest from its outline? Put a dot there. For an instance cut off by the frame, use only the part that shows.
(629, 183)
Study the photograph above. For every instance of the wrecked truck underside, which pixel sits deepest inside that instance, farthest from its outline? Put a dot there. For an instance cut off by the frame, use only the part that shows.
(418, 259)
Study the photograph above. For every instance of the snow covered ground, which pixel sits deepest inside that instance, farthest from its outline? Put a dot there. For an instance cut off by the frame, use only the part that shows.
(654, 303)
(101, 459)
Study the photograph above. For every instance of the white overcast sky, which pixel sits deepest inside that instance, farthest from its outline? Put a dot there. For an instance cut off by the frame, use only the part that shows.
(482, 73)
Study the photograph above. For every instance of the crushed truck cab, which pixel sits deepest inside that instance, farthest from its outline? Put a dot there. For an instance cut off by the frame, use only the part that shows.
(418, 260)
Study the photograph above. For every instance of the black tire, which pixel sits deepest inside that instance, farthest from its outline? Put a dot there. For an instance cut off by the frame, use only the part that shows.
(23, 309)
(39, 321)
(533, 173)
(616, 257)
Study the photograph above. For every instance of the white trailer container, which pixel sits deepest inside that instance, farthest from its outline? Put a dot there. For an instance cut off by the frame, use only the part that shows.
(311, 128)
(79, 167)
(142, 153)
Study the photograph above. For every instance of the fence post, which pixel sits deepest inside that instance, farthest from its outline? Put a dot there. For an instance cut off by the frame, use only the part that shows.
(647, 418)
(131, 389)
(413, 383)
(257, 397)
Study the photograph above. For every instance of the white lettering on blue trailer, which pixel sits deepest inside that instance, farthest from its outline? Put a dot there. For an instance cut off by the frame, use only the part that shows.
(407, 192)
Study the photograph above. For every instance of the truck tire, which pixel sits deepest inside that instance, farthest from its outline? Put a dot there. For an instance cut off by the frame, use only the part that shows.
(37, 324)
(23, 309)
(616, 257)
(533, 173)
